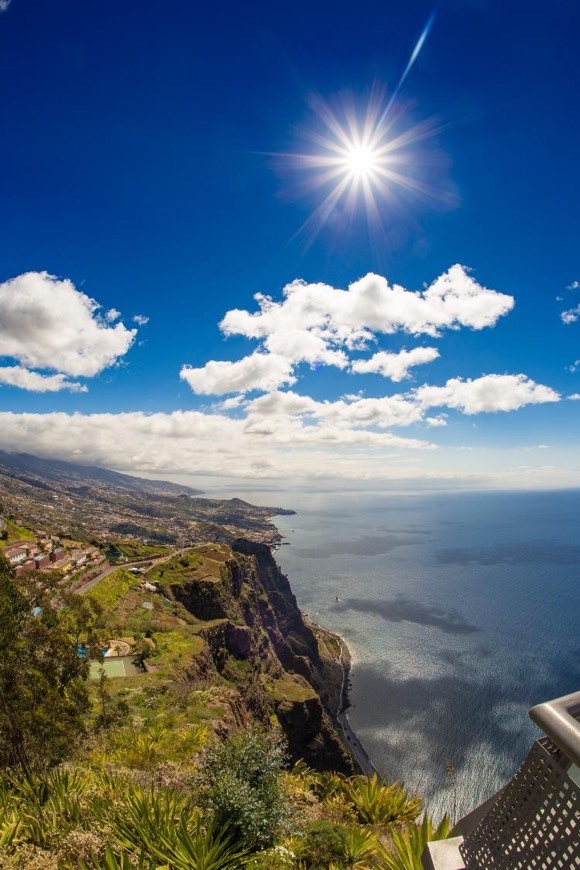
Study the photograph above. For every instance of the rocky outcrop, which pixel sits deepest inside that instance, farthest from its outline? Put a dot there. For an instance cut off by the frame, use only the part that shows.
(257, 641)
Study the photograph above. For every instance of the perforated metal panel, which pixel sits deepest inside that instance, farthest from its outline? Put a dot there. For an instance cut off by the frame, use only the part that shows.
(535, 822)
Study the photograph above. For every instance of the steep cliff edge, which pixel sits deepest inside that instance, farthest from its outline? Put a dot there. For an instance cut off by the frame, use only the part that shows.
(256, 642)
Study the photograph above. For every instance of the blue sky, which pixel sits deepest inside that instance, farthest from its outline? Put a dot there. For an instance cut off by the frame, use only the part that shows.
(144, 163)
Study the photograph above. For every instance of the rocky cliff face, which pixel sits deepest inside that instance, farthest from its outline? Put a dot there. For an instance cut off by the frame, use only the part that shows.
(258, 643)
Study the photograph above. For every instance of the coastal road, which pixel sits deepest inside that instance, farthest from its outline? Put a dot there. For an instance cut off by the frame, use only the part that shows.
(358, 750)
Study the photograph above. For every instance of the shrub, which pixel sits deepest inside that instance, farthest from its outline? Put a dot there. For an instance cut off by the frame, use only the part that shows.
(243, 785)
(322, 844)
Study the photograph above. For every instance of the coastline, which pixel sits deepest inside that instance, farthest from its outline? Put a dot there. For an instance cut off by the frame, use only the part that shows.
(344, 661)
(340, 716)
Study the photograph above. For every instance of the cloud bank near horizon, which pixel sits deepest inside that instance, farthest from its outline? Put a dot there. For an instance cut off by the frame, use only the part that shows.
(280, 434)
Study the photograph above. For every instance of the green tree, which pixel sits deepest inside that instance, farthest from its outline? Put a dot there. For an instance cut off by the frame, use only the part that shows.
(43, 692)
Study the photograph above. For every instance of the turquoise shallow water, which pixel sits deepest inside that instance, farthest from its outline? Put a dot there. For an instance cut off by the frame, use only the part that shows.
(461, 611)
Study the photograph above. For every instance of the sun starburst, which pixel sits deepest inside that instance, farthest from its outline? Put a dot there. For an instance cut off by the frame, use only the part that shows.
(354, 160)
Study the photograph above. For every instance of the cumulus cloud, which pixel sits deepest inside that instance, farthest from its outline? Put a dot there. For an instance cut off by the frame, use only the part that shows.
(260, 371)
(575, 285)
(140, 319)
(395, 365)
(485, 394)
(47, 323)
(280, 432)
(371, 304)
(18, 376)
(571, 315)
(574, 396)
(319, 325)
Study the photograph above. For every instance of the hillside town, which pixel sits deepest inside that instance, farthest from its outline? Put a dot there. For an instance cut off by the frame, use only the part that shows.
(46, 552)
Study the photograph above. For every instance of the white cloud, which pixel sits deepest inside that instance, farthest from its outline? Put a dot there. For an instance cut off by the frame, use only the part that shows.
(571, 315)
(4, 4)
(112, 315)
(575, 285)
(300, 345)
(259, 371)
(202, 443)
(383, 413)
(575, 366)
(231, 403)
(395, 365)
(140, 319)
(288, 403)
(319, 324)
(574, 396)
(18, 376)
(47, 323)
(371, 305)
(485, 394)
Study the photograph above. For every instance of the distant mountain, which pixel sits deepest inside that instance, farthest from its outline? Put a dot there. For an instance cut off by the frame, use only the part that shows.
(85, 503)
(56, 469)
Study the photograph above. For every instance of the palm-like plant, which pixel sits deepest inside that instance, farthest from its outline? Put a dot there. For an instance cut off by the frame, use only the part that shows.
(194, 847)
(45, 807)
(9, 827)
(379, 803)
(327, 783)
(145, 817)
(361, 848)
(408, 845)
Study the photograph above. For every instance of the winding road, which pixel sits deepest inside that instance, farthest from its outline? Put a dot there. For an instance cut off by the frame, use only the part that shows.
(134, 564)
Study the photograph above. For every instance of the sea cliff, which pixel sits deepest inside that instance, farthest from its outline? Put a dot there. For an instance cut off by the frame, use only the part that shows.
(280, 669)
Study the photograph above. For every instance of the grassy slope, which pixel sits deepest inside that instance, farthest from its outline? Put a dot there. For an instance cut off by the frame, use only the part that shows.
(16, 533)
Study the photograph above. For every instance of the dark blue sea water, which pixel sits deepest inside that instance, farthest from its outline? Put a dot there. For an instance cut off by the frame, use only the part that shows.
(461, 612)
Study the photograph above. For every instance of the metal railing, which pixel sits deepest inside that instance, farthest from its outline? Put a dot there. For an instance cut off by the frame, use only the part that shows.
(534, 822)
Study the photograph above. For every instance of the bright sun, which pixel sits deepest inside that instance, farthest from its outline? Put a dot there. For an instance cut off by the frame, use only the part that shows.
(360, 158)
(361, 161)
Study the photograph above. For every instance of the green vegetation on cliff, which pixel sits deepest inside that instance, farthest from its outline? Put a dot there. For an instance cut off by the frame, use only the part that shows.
(198, 761)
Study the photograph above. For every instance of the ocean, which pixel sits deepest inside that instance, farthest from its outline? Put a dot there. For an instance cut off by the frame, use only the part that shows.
(461, 610)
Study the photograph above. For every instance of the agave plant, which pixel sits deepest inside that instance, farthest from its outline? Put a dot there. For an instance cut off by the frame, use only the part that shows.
(328, 782)
(195, 847)
(408, 845)
(32, 790)
(47, 807)
(379, 803)
(145, 817)
(360, 849)
(9, 827)
(194, 739)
